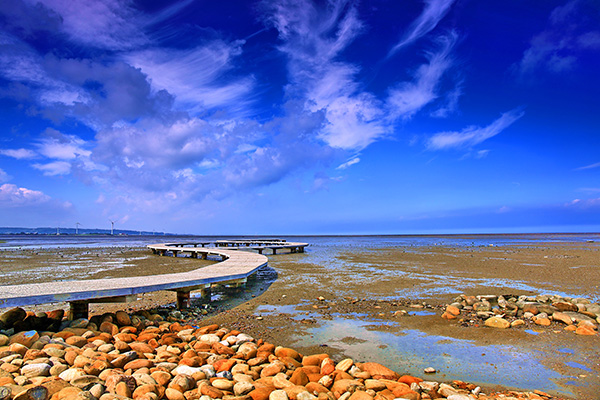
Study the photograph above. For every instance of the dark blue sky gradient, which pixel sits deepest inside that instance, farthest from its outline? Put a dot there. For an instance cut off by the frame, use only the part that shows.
(301, 117)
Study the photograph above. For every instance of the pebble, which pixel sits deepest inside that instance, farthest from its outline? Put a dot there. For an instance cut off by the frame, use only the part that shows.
(39, 369)
(512, 312)
(158, 358)
(497, 322)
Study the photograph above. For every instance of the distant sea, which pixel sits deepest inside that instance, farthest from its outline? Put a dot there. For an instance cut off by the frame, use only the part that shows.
(317, 241)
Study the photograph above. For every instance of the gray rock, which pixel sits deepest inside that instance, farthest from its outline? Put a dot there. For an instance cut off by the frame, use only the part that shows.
(490, 298)
(5, 392)
(542, 298)
(34, 393)
(593, 308)
(446, 390)
(485, 314)
(79, 323)
(547, 308)
(482, 306)
(38, 369)
(577, 317)
(581, 301)
(225, 374)
(429, 385)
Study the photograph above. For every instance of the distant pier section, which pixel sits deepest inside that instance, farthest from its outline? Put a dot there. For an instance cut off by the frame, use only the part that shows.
(235, 265)
(259, 245)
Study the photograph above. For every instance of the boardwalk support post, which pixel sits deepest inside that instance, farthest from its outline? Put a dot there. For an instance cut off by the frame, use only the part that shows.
(183, 300)
(206, 294)
(79, 309)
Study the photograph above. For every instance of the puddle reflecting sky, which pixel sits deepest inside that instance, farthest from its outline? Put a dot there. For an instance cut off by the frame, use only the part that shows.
(411, 351)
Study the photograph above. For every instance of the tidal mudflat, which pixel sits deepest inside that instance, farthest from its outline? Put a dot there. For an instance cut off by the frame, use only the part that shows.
(344, 300)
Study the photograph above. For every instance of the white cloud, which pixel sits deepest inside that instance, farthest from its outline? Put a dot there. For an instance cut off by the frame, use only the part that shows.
(54, 168)
(591, 166)
(13, 196)
(98, 93)
(584, 203)
(19, 62)
(558, 48)
(196, 77)
(482, 153)
(473, 135)
(19, 154)
(349, 163)
(4, 177)
(408, 98)
(106, 24)
(56, 145)
(451, 105)
(313, 38)
(432, 14)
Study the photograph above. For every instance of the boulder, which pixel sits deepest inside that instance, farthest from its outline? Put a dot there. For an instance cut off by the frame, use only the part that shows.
(497, 322)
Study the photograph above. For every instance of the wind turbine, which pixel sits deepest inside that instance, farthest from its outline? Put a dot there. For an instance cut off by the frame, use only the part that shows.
(77, 228)
(112, 227)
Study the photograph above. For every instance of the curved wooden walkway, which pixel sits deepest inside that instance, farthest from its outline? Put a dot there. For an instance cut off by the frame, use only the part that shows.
(235, 267)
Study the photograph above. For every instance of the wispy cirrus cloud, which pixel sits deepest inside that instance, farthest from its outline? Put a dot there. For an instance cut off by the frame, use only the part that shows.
(197, 76)
(558, 48)
(473, 135)
(590, 166)
(313, 36)
(451, 104)
(583, 204)
(432, 14)
(349, 163)
(4, 177)
(407, 98)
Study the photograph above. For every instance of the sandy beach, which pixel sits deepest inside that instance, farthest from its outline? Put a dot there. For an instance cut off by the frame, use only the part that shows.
(346, 302)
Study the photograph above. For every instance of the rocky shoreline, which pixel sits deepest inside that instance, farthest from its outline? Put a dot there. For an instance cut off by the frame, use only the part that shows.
(159, 355)
(578, 315)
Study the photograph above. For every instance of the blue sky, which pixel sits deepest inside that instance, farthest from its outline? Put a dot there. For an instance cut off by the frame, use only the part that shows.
(301, 117)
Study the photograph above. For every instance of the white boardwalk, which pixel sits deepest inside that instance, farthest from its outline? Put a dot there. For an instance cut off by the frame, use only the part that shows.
(236, 266)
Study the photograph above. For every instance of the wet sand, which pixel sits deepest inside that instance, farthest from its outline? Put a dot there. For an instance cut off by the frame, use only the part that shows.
(362, 288)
